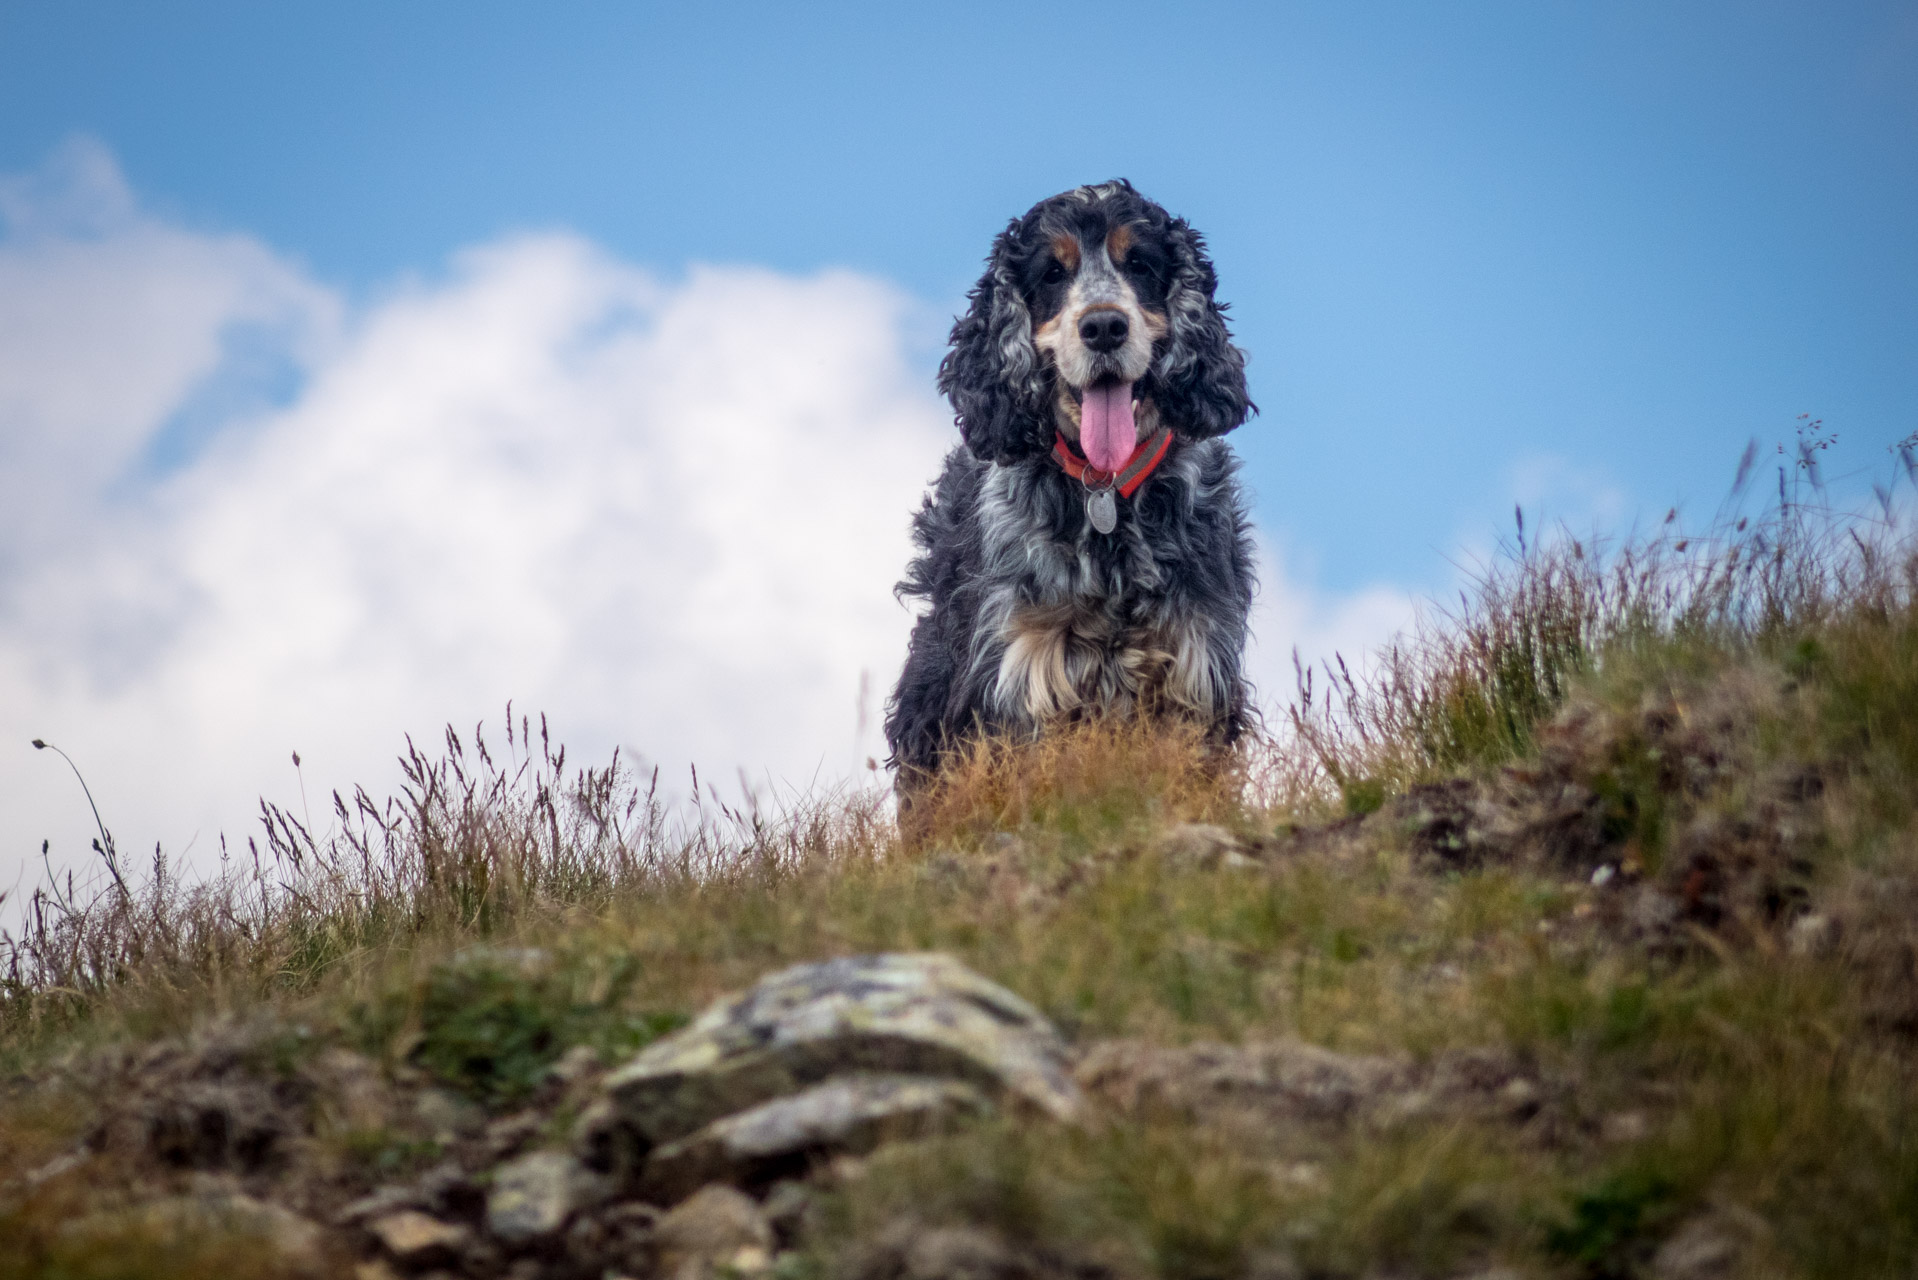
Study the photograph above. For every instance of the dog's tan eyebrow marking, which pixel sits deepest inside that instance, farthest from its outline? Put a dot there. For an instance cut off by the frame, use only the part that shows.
(1066, 249)
(1118, 242)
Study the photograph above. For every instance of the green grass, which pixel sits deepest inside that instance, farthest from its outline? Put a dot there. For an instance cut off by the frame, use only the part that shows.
(1743, 712)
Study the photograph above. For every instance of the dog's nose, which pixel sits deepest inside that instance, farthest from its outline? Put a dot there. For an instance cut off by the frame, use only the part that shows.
(1104, 329)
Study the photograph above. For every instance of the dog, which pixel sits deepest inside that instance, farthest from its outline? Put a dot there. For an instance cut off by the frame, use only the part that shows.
(1086, 550)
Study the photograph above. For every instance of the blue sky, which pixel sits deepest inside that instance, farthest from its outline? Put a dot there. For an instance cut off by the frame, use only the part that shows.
(363, 366)
(1572, 254)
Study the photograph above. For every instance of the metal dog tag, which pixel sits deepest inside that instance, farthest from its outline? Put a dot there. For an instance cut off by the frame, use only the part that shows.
(1103, 510)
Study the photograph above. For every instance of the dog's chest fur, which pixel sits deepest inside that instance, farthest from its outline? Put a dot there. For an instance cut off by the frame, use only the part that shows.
(1076, 619)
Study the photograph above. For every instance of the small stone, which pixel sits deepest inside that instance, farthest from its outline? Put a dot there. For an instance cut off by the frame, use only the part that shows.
(379, 1203)
(58, 1167)
(446, 1189)
(715, 1228)
(907, 1249)
(577, 1063)
(377, 1269)
(959, 1253)
(506, 1135)
(418, 1239)
(534, 1196)
(617, 1239)
(850, 1114)
(1699, 1250)
(446, 1116)
(790, 1207)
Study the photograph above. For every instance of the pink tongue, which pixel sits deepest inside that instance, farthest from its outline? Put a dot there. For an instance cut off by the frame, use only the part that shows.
(1107, 433)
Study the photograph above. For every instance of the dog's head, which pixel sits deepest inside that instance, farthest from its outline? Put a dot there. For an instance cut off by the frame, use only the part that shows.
(1095, 318)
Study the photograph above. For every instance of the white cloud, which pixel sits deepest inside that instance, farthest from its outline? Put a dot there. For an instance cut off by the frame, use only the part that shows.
(668, 513)
(1555, 492)
(107, 320)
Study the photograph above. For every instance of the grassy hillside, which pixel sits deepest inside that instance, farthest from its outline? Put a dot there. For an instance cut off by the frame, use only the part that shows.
(1576, 937)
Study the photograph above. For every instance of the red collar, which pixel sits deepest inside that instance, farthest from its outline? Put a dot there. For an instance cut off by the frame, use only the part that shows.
(1149, 454)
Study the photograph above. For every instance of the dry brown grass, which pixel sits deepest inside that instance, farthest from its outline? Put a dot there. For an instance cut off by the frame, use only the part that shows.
(1108, 772)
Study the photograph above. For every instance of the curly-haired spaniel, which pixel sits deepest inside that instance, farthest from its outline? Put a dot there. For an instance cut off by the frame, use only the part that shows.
(1088, 548)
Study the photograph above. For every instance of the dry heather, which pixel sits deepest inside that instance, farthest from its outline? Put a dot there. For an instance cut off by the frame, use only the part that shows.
(1574, 938)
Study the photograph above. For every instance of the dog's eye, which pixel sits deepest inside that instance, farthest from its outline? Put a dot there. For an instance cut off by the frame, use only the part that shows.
(1139, 265)
(1055, 273)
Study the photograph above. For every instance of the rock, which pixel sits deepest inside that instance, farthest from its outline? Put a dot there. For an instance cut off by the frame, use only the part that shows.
(960, 1253)
(446, 1116)
(909, 1250)
(605, 1143)
(716, 1228)
(417, 1240)
(443, 1189)
(1700, 1250)
(578, 1063)
(1205, 847)
(615, 1240)
(852, 1113)
(58, 1167)
(379, 1203)
(534, 1196)
(917, 1014)
(296, 1243)
(505, 1136)
(792, 1208)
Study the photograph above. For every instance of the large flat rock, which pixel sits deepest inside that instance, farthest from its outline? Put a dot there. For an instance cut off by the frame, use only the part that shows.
(918, 1014)
(848, 1114)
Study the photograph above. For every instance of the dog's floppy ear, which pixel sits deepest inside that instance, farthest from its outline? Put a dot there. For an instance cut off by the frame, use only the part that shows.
(992, 374)
(1201, 375)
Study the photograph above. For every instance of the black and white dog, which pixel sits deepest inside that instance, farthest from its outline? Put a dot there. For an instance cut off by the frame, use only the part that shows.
(1087, 549)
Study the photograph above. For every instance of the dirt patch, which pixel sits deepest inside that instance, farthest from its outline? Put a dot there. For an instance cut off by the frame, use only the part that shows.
(1300, 1095)
(1672, 808)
